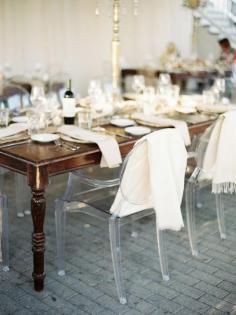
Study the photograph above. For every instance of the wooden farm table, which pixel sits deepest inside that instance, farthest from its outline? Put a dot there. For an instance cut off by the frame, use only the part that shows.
(40, 161)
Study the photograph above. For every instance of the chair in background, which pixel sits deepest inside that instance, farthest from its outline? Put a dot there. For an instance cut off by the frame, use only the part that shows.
(99, 198)
(199, 179)
(16, 99)
(57, 84)
(24, 81)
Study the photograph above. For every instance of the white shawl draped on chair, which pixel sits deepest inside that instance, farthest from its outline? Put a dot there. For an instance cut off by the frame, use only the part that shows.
(154, 178)
(220, 156)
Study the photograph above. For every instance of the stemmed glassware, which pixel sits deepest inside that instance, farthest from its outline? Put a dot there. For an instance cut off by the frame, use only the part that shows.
(220, 85)
(138, 83)
(97, 100)
(149, 98)
(164, 82)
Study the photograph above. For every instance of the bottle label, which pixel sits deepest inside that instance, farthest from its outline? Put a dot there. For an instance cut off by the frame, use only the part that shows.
(69, 107)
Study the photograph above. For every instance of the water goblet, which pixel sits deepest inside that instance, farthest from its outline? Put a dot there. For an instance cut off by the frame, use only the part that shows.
(4, 117)
(138, 83)
(85, 118)
(149, 98)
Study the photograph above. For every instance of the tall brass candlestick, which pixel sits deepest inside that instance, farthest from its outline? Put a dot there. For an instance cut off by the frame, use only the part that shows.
(116, 48)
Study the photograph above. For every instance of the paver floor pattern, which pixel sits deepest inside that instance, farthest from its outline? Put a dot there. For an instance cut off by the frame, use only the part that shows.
(204, 285)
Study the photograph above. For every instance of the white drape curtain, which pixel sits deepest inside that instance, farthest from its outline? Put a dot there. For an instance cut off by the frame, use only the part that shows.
(65, 35)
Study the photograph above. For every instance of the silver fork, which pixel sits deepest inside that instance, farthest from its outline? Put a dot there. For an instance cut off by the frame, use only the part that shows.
(68, 146)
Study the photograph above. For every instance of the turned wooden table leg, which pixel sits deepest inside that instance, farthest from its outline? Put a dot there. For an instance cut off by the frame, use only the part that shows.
(38, 206)
(38, 179)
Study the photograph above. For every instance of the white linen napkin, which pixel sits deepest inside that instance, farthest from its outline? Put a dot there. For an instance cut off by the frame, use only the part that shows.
(13, 129)
(220, 156)
(108, 145)
(154, 178)
(181, 126)
(218, 109)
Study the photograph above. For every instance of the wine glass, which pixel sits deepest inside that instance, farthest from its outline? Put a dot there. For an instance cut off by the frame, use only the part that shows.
(220, 85)
(97, 102)
(164, 83)
(149, 98)
(138, 83)
(164, 79)
(93, 86)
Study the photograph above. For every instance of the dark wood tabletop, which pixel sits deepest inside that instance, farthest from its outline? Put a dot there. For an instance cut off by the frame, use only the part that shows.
(40, 161)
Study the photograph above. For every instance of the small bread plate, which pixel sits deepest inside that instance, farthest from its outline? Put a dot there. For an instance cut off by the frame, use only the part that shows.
(20, 119)
(45, 137)
(137, 130)
(122, 122)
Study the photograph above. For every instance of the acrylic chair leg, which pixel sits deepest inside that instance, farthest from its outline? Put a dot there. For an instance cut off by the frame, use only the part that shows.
(134, 233)
(114, 230)
(190, 216)
(19, 195)
(162, 253)
(60, 220)
(5, 233)
(198, 198)
(220, 215)
(1, 179)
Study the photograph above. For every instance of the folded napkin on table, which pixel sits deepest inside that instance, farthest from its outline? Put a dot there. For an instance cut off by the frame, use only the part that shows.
(220, 108)
(154, 178)
(181, 126)
(220, 156)
(108, 145)
(12, 129)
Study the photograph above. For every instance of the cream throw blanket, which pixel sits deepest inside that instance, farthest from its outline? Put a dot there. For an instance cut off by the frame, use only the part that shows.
(154, 178)
(220, 157)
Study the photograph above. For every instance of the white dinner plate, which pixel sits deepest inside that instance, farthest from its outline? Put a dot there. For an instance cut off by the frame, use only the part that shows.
(45, 137)
(137, 130)
(20, 119)
(122, 122)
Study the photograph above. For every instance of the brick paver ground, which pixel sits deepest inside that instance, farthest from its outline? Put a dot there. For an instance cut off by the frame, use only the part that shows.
(204, 285)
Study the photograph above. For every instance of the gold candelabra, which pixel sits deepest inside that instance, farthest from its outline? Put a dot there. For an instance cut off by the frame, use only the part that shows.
(116, 12)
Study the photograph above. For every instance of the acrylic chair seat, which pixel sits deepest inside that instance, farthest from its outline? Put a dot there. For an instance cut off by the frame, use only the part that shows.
(91, 202)
(198, 180)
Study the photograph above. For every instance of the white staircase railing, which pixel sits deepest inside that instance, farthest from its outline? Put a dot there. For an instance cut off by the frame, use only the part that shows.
(220, 18)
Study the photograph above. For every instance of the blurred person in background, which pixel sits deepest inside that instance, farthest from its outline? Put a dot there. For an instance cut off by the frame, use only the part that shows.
(228, 57)
(228, 54)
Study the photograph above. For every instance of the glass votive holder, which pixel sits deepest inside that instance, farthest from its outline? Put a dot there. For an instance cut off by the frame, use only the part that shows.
(85, 119)
(4, 117)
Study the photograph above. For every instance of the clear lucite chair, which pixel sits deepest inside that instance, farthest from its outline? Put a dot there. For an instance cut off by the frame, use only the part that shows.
(200, 179)
(17, 99)
(5, 233)
(92, 202)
